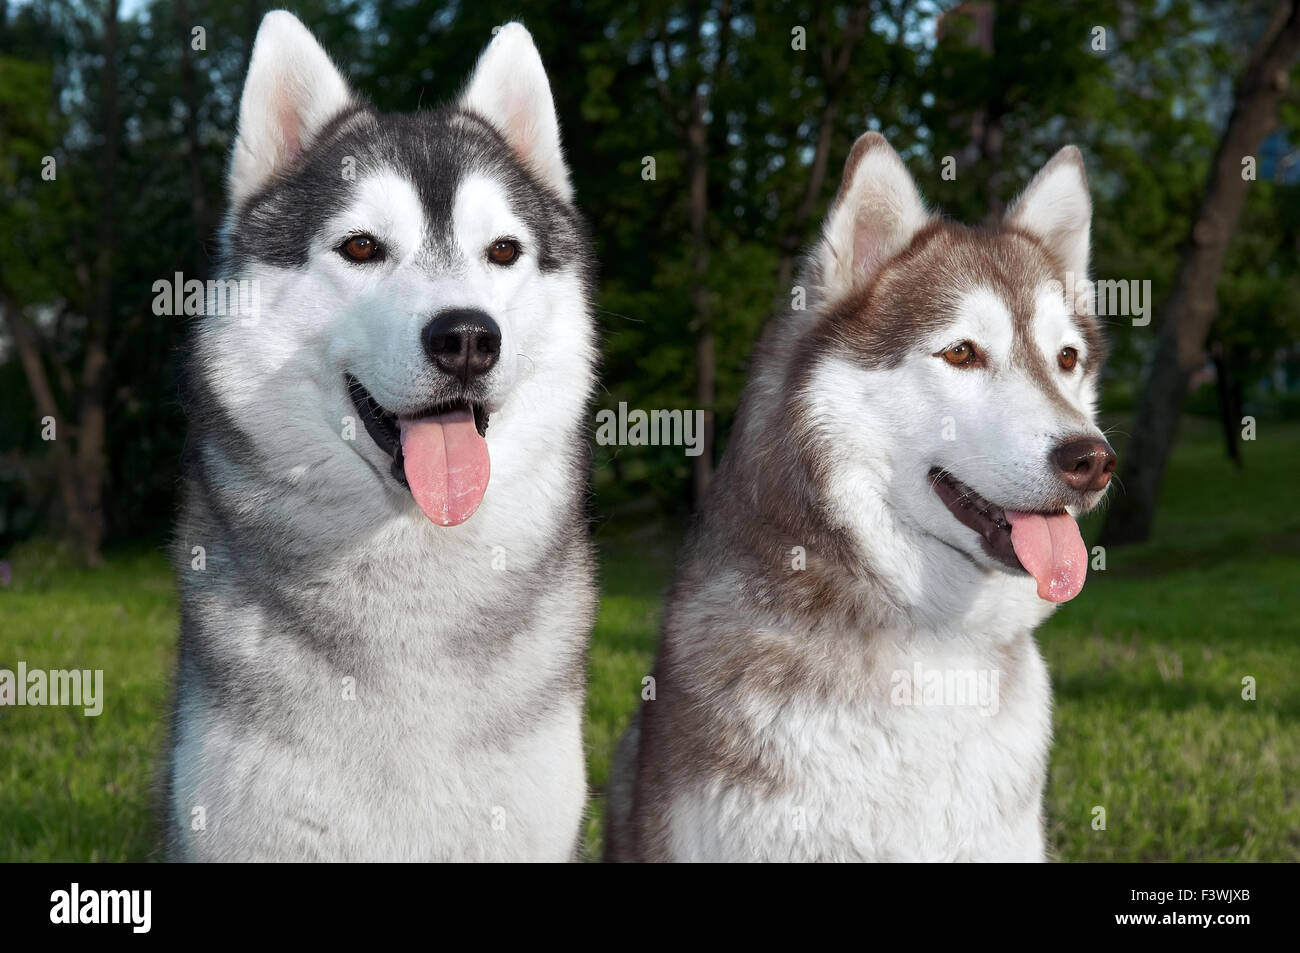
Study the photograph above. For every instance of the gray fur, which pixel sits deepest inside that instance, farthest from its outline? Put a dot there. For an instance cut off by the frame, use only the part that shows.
(355, 682)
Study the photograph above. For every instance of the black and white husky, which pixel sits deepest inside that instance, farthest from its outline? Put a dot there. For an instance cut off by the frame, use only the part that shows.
(387, 587)
(847, 668)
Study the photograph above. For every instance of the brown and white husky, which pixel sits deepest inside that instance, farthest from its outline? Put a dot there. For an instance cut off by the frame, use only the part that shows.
(847, 668)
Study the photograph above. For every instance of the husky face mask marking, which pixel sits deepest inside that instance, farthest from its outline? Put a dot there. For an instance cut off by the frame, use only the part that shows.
(449, 232)
(954, 337)
(387, 471)
(919, 437)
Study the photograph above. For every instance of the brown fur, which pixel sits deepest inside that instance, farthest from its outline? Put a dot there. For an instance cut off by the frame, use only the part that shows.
(763, 502)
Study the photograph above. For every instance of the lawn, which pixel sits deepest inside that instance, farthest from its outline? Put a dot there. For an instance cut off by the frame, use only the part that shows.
(1148, 667)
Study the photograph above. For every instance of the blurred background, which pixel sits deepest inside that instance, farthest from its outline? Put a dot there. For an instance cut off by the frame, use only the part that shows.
(115, 123)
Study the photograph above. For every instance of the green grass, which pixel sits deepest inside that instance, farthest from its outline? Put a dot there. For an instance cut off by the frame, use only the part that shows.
(74, 787)
(1147, 666)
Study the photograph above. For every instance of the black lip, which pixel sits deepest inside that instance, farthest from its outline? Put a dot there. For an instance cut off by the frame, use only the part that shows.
(973, 511)
(383, 427)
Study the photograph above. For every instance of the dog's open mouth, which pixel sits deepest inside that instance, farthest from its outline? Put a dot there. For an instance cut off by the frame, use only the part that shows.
(1048, 546)
(439, 454)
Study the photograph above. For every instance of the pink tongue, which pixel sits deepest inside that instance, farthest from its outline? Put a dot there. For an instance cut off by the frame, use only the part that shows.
(446, 463)
(1052, 551)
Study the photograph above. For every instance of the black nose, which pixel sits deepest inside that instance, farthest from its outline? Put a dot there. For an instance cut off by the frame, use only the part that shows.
(463, 342)
(1085, 463)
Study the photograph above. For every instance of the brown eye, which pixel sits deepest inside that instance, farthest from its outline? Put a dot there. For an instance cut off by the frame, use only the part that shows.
(961, 355)
(1067, 358)
(503, 251)
(361, 248)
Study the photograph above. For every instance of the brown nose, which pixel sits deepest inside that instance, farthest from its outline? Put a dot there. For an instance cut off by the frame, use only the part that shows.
(1085, 463)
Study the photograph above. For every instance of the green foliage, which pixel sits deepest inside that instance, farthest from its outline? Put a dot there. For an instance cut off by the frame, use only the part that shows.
(1146, 110)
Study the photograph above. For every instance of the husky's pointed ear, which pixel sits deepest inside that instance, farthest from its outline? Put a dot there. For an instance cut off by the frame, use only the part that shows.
(1056, 209)
(510, 90)
(874, 216)
(291, 92)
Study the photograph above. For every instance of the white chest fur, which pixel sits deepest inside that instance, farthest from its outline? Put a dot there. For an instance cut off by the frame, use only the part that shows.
(934, 756)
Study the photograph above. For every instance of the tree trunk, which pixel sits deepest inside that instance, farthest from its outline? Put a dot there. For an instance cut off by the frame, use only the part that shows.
(1228, 387)
(1188, 313)
(697, 165)
(189, 92)
(28, 345)
(697, 171)
(835, 77)
(92, 464)
(78, 450)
